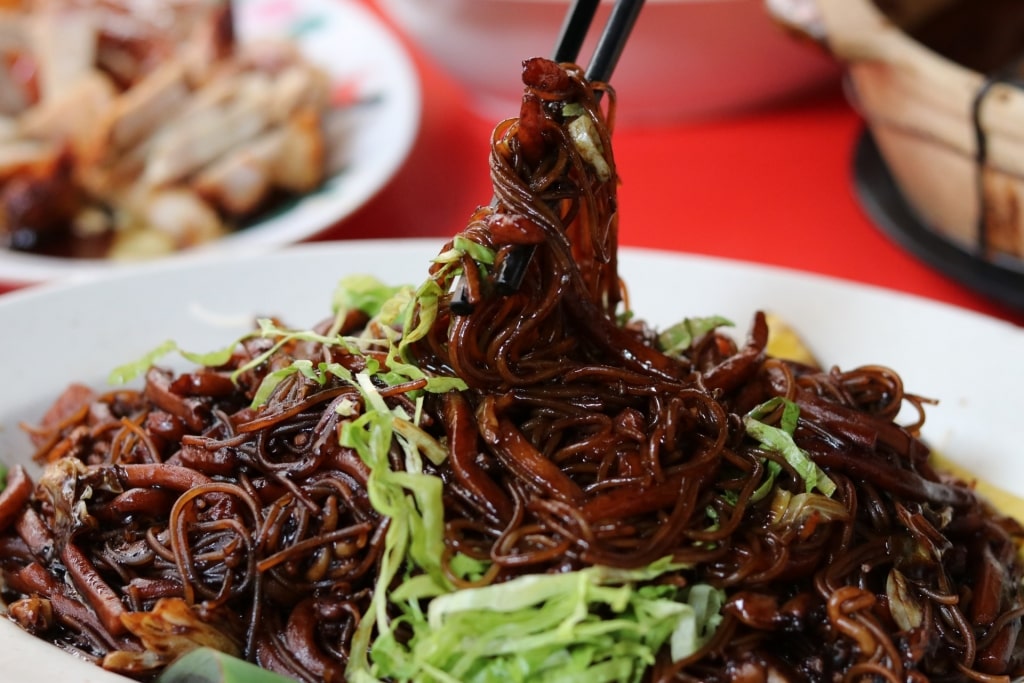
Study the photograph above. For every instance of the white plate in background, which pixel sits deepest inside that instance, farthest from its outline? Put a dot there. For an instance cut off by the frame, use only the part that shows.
(57, 334)
(360, 53)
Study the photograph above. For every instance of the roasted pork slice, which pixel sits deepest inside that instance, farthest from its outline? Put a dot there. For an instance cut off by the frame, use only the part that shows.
(302, 162)
(63, 44)
(297, 87)
(182, 214)
(190, 143)
(139, 112)
(134, 37)
(17, 78)
(32, 157)
(15, 96)
(239, 182)
(290, 158)
(10, 129)
(73, 115)
(210, 40)
(116, 176)
(236, 184)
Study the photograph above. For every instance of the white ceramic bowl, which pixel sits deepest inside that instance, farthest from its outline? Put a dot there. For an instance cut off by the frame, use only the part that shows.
(685, 59)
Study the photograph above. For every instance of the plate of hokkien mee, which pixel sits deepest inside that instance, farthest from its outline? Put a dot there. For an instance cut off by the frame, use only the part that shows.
(252, 425)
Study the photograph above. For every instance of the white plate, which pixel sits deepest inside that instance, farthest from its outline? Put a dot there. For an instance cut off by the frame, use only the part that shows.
(61, 333)
(359, 51)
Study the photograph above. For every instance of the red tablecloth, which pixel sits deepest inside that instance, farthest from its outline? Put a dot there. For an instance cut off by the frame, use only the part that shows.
(772, 186)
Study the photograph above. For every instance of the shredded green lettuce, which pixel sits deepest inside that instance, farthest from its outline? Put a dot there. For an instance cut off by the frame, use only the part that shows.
(363, 293)
(791, 511)
(412, 501)
(206, 665)
(319, 373)
(420, 315)
(680, 337)
(596, 624)
(387, 306)
(129, 371)
(475, 250)
(3, 476)
(780, 440)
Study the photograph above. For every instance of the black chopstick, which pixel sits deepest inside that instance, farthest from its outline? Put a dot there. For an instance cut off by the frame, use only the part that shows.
(613, 40)
(509, 274)
(574, 30)
(510, 270)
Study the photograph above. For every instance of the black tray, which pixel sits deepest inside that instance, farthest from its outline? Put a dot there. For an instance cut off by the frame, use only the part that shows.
(881, 199)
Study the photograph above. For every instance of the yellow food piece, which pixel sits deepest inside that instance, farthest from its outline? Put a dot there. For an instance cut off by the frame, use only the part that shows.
(785, 343)
(1002, 500)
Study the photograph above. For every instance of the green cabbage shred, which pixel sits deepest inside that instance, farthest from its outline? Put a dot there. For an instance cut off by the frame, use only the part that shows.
(780, 440)
(592, 625)
(680, 337)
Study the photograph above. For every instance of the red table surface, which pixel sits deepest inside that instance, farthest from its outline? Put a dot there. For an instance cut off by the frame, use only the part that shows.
(771, 186)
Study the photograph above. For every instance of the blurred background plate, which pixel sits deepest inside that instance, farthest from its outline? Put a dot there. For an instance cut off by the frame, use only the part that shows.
(363, 56)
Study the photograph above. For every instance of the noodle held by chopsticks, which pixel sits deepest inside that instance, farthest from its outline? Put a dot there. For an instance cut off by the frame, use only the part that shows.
(536, 483)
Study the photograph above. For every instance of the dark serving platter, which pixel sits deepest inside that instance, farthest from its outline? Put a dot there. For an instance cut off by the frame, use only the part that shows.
(881, 198)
